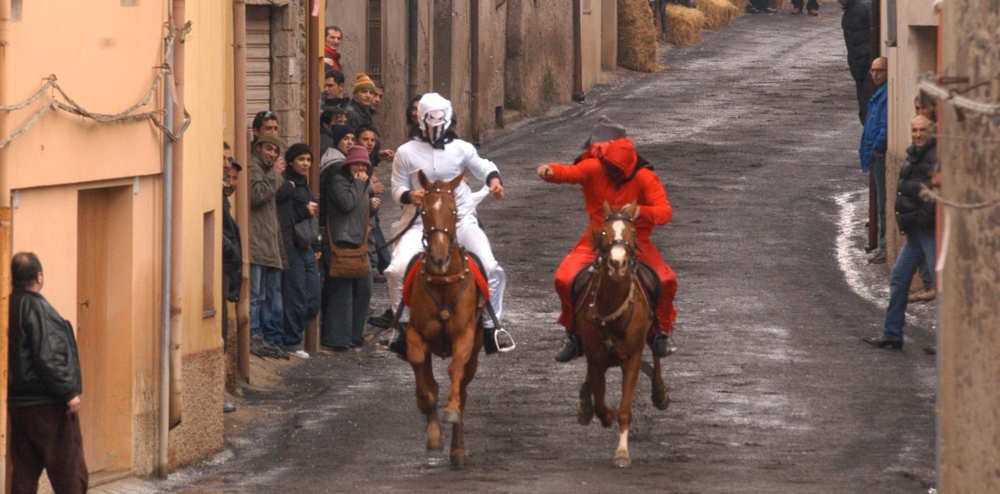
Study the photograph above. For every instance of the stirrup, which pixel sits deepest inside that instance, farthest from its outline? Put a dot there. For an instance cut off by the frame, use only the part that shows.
(498, 340)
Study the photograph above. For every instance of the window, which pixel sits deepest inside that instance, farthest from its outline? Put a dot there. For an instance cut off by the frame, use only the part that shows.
(208, 265)
(15, 10)
(375, 40)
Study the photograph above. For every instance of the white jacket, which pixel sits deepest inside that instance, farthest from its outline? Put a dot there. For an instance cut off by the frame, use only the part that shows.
(440, 164)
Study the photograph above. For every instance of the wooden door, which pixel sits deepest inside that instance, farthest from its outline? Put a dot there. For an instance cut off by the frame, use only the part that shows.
(104, 330)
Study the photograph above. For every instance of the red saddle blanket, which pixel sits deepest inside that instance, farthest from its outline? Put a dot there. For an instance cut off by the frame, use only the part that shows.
(414, 270)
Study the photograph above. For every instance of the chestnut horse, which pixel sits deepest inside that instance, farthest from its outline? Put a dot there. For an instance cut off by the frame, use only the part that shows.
(445, 318)
(613, 318)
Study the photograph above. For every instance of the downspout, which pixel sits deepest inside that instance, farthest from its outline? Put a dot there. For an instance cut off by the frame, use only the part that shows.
(474, 67)
(243, 189)
(412, 20)
(5, 465)
(163, 426)
(314, 61)
(577, 51)
(176, 245)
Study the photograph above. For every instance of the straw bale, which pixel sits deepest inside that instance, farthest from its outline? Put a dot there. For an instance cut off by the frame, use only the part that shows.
(718, 13)
(741, 7)
(684, 25)
(636, 36)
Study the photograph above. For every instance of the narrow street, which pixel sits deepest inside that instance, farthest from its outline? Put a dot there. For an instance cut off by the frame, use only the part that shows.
(754, 135)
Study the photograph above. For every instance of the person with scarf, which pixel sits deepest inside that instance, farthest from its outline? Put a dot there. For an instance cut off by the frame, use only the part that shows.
(611, 171)
(331, 44)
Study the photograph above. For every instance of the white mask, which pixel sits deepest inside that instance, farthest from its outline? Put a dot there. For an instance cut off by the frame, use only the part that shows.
(434, 115)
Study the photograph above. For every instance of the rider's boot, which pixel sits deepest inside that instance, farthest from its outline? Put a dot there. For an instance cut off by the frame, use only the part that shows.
(398, 343)
(497, 340)
(661, 344)
(571, 350)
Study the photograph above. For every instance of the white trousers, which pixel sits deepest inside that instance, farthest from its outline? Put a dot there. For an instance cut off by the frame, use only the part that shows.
(471, 237)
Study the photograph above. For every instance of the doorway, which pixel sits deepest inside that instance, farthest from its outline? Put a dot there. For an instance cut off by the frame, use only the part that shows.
(104, 327)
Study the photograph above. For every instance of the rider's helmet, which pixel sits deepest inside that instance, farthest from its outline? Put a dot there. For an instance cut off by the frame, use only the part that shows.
(434, 116)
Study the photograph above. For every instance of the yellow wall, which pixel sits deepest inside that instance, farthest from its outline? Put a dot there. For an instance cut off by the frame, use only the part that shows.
(106, 67)
(204, 96)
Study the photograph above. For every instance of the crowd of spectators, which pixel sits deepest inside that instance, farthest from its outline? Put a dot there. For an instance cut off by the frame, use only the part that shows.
(315, 249)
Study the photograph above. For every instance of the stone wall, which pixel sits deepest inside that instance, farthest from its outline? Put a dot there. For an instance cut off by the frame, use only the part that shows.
(288, 69)
(539, 57)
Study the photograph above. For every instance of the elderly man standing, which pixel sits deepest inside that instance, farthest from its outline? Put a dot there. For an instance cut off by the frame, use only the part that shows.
(267, 322)
(873, 146)
(44, 388)
(916, 217)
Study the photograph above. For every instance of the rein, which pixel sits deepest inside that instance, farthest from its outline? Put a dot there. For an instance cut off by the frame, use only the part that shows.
(628, 303)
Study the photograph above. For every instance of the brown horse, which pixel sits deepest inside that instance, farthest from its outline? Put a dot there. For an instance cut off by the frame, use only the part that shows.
(444, 316)
(613, 317)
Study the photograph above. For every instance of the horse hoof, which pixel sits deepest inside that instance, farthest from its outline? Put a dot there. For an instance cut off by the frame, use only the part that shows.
(584, 413)
(622, 460)
(450, 417)
(661, 400)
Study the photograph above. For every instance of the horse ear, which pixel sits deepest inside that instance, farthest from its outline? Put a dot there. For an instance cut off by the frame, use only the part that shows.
(455, 182)
(424, 183)
(606, 209)
(632, 210)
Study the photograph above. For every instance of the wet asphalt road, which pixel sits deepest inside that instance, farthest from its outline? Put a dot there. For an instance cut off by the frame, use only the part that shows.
(753, 133)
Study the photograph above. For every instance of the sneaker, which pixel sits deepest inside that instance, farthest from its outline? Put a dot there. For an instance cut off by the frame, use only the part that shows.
(925, 295)
(813, 12)
(276, 350)
(571, 350)
(299, 354)
(883, 342)
(877, 258)
(260, 347)
(228, 407)
(796, 11)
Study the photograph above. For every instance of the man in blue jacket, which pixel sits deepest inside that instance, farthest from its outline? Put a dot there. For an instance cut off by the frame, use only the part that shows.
(873, 145)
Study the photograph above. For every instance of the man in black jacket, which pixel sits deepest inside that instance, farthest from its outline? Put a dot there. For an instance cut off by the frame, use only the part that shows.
(915, 216)
(44, 388)
(857, 25)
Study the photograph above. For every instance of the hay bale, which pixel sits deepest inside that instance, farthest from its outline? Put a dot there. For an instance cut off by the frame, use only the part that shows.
(684, 25)
(718, 13)
(636, 36)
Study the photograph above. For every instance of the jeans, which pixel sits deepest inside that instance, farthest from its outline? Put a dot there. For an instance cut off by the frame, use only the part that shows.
(918, 249)
(301, 286)
(345, 311)
(878, 172)
(266, 314)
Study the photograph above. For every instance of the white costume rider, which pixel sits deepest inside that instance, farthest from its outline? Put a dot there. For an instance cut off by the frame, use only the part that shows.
(441, 156)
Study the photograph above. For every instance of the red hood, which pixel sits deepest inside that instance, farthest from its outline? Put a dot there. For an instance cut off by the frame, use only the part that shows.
(620, 153)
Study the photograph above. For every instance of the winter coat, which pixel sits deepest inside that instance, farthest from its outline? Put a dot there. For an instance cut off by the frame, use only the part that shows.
(913, 212)
(856, 26)
(874, 138)
(266, 247)
(347, 206)
(358, 115)
(644, 186)
(43, 361)
(232, 253)
(292, 207)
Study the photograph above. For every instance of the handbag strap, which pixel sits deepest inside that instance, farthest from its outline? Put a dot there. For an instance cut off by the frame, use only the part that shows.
(349, 250)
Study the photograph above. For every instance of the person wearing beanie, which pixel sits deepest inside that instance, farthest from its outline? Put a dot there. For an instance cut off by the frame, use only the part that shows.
(297, 216)
(361, 109)
(441, 155)
(347, 287)
(612, 173)
(267, 325)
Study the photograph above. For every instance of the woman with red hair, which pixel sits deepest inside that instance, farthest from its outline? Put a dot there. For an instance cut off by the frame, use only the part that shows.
(611, 171)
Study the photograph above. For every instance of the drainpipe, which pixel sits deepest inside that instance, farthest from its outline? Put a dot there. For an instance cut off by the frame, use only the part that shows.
(577, 51)
(4, 461)
(176, 245)
(314, 62)
(243, 189)
(412, 19)
(474, 47)
(163, 426)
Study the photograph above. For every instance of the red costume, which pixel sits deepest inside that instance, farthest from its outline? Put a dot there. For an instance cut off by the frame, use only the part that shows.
(642, 185)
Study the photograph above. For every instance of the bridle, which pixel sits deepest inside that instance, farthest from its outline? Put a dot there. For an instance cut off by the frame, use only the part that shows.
(602, 251)
(444, 311)
(630, 246)
(430, 230)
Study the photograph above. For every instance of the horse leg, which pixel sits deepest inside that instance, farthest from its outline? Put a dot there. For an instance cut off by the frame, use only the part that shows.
(630, 376)
(585, 410)
(461, 352)
(427, 388)
(661, 399)
(458, 452)
(596, 378)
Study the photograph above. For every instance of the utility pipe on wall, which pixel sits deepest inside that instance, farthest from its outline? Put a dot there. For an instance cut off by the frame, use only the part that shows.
(240, 149)
(476, 96)
(176, 245)
(314, 61)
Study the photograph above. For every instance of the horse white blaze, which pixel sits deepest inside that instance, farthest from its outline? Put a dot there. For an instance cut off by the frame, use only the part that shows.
(618, 252)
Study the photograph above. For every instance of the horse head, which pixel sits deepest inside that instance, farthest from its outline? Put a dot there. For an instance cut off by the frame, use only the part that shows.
(616, 240)
(439, 214)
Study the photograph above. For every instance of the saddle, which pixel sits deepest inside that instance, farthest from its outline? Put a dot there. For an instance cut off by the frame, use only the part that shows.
(648, 280)
(475, 269)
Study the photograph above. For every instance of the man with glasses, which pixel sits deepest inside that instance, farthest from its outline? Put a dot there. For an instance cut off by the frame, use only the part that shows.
(873, 146)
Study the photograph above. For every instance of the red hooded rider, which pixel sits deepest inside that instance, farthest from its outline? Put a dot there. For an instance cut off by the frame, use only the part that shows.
(612, 171)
